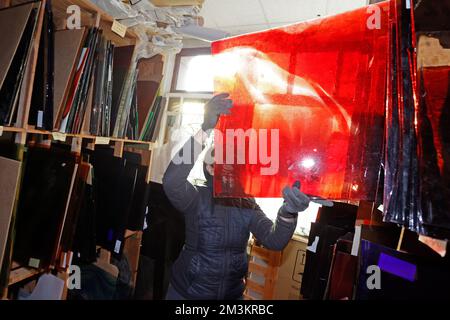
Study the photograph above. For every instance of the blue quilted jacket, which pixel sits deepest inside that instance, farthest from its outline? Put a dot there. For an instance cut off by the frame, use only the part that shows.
(213, 263)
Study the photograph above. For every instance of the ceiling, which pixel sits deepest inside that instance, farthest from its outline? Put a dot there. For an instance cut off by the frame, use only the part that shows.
(243, 16)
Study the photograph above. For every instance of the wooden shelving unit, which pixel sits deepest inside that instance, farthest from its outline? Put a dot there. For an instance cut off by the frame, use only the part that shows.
(91, 15)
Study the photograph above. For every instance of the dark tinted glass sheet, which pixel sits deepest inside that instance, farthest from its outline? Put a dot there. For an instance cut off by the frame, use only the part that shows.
(403, 276)
(75, 205)
(416, 188)
(43, 197)
(162, 241)
(342, 273)
(434, 149)
(107, 172)
(115, 185)
(84, 242)
(139, 204)
(322, 85)
(41, 111)
(121, 63)
(318, 261)
(125, 192)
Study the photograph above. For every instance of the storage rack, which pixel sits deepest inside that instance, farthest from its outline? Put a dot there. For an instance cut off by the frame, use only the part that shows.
(91, 15)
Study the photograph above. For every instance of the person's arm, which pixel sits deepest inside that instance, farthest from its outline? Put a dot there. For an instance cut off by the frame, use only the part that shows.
(181, 193)
(276, 236)
(273, 236)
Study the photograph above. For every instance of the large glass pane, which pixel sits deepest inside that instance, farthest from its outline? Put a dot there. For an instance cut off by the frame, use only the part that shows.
(313, 96)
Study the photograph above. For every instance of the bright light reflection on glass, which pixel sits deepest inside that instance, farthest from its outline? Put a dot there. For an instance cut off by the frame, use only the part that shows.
(308, 163)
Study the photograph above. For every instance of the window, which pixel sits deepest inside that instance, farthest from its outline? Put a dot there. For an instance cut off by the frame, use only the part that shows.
(193, 71)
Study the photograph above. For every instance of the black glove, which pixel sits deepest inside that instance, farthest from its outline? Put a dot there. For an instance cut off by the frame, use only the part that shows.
(216, 107)
(294, 200)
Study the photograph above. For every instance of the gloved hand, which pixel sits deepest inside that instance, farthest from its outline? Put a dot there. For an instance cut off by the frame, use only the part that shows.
(216, 107)
(294, 200)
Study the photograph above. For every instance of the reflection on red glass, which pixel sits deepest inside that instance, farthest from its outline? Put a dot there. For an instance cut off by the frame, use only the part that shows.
(322, 85)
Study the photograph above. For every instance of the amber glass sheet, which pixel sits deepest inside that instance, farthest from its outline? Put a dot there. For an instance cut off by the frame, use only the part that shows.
(321, 83)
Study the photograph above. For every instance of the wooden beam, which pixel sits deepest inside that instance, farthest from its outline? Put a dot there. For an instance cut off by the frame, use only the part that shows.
(118, 149)
(64, 275)
(258, 269)
(149, 169)
(272, 257)
(21, 138)
(77, 144)
(252, 285)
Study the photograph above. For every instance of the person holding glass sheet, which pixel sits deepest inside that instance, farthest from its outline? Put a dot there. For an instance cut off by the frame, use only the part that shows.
(213, 262)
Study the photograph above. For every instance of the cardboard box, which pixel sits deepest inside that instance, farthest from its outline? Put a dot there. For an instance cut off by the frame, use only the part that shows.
(290, 273)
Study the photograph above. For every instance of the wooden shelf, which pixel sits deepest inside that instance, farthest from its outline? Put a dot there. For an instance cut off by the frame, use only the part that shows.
(11, 129)
(150, 145)
(20, 274)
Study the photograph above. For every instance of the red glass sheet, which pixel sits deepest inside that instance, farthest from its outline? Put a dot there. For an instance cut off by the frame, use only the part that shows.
(322, 84)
